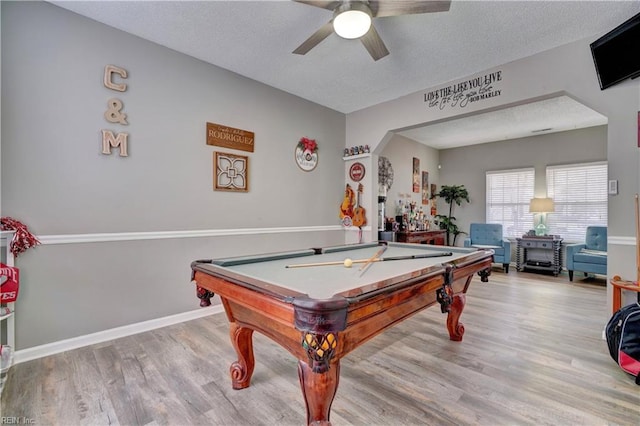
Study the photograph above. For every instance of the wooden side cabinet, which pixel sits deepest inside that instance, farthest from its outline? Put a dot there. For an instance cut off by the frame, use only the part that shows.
(435, 237)
(539, 254)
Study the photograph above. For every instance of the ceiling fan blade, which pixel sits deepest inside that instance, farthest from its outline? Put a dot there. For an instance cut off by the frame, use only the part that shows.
(323, 4)
(381, 8)
(374, 44)
(315, 39)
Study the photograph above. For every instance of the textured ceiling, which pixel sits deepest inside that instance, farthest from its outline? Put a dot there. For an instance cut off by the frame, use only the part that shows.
(536, 118)
(256, 38)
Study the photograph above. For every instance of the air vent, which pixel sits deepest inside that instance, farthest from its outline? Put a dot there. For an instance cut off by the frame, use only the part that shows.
(542, 130)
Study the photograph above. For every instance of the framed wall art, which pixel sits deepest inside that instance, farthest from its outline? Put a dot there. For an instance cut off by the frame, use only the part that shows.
(416, 175)
(230, 172)
(425, 187)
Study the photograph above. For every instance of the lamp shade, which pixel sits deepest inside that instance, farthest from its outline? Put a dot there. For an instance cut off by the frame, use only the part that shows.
(541, 205)
(352, 20)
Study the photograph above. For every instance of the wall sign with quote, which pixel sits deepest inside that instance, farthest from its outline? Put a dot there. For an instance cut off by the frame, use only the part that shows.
(468, 91)
(114, 113)
(229, 137)
(306, 154)
(231, 172)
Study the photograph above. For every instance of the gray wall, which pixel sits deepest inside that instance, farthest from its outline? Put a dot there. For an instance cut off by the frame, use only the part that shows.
(55, 179)
(467, 165)
(565, 70)
(400, 151)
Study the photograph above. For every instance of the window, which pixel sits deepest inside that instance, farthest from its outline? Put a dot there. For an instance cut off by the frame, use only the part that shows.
(579, 192)
(508, 195)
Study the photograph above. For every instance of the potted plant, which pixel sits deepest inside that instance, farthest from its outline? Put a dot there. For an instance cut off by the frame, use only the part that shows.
(451, 194)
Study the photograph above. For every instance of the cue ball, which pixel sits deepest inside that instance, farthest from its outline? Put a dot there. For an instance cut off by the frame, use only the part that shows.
(348, 263)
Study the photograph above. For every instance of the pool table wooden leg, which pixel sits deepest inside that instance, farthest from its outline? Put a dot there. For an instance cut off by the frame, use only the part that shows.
(242, 369)
(456, 328)
(318, 390)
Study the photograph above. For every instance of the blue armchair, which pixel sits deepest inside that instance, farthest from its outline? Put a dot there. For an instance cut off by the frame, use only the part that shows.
(489, 236)
(590, 256)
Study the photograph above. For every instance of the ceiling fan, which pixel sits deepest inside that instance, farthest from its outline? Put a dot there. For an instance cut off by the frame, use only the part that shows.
(352, 19)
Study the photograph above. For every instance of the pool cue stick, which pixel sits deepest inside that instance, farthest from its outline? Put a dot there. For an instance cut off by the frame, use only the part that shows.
(381, 259)
(409, 257)
(375, 256)
(336, 262)
(364, 267)
(414, 256)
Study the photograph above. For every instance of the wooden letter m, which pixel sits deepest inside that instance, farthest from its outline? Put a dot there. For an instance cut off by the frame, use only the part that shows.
(110, 141)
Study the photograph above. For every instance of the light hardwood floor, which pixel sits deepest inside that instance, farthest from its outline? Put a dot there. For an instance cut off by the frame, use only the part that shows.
(532, 354)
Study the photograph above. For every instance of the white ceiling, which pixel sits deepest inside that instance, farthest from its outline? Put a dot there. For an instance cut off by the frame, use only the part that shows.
(536, 118)
(256, 38)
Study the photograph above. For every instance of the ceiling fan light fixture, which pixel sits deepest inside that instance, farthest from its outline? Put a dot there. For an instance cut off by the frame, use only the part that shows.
(352, 20)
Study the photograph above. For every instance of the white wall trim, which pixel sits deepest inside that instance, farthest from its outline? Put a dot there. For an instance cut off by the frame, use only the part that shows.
(621, 241)
(160, 235)
(114, 333)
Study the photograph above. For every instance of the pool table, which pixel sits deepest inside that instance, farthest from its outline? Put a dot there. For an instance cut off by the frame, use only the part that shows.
(321, 313)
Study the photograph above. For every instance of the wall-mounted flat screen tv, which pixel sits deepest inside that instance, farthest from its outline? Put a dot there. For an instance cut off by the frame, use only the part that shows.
(617, 54)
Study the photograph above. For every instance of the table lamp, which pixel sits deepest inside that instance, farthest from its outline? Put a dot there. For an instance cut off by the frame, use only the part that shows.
(541, 206)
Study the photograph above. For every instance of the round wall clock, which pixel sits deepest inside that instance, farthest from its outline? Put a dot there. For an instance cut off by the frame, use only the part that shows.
(385, 172)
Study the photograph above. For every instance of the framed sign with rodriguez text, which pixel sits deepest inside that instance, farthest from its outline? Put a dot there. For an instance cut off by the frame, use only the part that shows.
(230, 172)
(229, 137)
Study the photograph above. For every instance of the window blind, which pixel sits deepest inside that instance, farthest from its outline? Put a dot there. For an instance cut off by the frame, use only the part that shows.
(508, 195)
(579, 192)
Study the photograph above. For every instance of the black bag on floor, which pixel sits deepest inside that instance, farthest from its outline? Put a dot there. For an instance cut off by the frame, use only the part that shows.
(623, 339)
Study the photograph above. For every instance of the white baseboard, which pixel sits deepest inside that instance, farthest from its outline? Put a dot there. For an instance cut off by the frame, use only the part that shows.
(114, 333)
